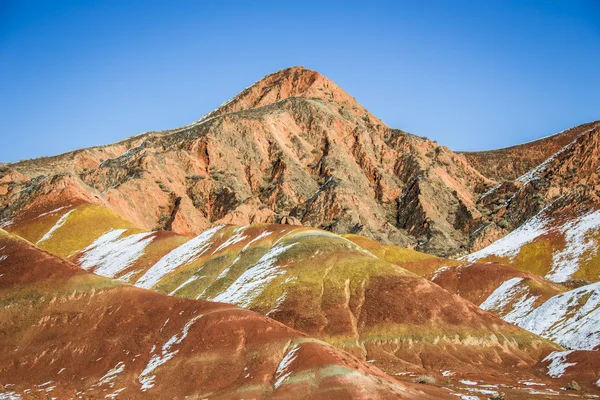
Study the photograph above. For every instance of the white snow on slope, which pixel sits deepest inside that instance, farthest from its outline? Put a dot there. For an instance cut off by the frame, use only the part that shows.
(52, 211)
(224, 273)
(558, 364)
(112, 374)
(254, 280)
(510, 245)
(262, 235)
(578, 237)
(233, 239)
(439, 271)
(566, 262)
(61, 221)
(187, 282)
(146, 378)
(504, 294)
(182, 255)
(571, 319)
(511, 291)
(283, 371)
(111, 253)
(10, 396)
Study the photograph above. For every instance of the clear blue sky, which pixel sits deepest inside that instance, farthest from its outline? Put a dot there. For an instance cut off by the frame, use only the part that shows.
(473, 75)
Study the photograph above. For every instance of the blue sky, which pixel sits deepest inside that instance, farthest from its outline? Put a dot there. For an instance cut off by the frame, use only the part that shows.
(473, 75)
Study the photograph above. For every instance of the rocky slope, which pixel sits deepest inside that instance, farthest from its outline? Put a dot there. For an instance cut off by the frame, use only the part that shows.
(559, 195)
(293, 147)
(511, 162)
(66, 333)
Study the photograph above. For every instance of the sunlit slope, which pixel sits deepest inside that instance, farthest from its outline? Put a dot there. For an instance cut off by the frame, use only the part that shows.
(66, 333)
(570, 317)
(561, 248)
(414, 261)
(317, 282)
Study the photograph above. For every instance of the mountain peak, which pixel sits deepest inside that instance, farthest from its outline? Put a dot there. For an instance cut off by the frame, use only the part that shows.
(295, 81)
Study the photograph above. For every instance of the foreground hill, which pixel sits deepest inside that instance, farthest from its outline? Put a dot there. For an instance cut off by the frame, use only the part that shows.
(67, 333)
(317, 282)
(571, 318)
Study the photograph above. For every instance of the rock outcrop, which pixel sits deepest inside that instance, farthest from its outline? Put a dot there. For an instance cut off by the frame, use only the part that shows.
(294, 145)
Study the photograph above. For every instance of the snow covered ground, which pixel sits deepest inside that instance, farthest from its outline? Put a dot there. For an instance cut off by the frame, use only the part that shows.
(571, 319)
(580, 243)
(112, 252)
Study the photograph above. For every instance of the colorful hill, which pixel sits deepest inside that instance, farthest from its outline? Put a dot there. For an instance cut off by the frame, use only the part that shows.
(65, 333)
(314, 281)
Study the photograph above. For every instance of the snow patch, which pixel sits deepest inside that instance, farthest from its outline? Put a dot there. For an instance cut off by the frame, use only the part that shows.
(262, 235)
(52, 211)
(566, 262)
(532, 383)
(254, 280)
(182, 255)
(558, 364)
(10, 396)
(492, 190)
(146, 378)
(571, 319)
(110, 253)
(510, 245)
(61, 221)
(511, 291)
(439, 271)
(224, 273)
(112, 373)
(283, 371)
(114, 394)
(503, 295)
(533, 174)
(233, 239)
(190, 280)
(127, 276)
(6, 223)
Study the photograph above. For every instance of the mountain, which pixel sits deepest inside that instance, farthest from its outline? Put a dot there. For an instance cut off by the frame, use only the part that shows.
(293, 146)
(320, 283)
(364, 259)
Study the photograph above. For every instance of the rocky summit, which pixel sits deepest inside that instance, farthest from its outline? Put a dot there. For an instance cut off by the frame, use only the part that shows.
(290, 245)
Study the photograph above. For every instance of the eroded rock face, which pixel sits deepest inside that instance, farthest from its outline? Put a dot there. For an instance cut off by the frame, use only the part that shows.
(293, 145)
(561, 188)
(510, 163)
